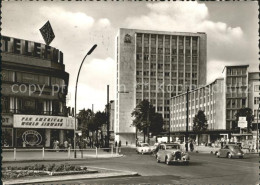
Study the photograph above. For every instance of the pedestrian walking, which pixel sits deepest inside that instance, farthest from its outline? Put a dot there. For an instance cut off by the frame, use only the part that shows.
(186, 146)
(116, 144)
(66, 144)
(191, 146)
(119, 145)
(126, 143)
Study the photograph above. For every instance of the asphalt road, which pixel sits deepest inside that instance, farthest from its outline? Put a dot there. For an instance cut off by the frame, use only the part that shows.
(203, 169)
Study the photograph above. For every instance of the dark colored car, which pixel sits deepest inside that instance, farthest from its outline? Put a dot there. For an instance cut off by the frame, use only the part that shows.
(230, 151)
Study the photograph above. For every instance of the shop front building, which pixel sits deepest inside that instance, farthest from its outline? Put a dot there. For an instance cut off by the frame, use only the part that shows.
(33, 95)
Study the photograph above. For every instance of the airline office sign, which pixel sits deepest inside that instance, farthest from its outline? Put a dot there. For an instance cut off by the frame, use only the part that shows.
(39, 121)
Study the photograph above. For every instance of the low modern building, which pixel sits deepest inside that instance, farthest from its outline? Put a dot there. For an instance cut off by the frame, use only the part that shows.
(154, 65)
(254, 94)
(34, 89)
(220, 101)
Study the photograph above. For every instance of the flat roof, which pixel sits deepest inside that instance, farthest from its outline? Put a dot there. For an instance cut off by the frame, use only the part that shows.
(198, 88)
(165, 32)
(247, 65)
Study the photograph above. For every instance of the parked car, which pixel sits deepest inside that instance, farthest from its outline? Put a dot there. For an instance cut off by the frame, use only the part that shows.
(230, 151)
(144, 148)
(171, 153)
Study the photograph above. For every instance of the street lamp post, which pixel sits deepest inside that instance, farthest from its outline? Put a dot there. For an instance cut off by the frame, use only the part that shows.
(89, 53)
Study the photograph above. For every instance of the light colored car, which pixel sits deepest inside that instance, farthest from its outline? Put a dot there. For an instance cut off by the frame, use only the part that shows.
(143, 148)
(172, 153)
(230, 151)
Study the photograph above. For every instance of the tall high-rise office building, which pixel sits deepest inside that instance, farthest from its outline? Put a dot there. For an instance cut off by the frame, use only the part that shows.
(155, 66)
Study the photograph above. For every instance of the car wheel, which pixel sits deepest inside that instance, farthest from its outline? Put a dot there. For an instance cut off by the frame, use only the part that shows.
(167, 161)
(158, 160)
(229, 155)
(216, 153)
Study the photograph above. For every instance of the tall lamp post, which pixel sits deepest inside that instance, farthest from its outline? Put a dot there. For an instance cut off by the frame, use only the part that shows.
(89, 53)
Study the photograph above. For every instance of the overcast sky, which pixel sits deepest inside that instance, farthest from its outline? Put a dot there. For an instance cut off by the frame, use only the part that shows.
(231, 27)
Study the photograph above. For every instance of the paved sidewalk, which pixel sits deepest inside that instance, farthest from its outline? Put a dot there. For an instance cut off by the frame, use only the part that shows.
(52, 155)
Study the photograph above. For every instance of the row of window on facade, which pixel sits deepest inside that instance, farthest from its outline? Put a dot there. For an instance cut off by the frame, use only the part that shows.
(236, 92)
(236, 81)
(32, 106)
(162, 74)
(161, 68)
(167, 51)
(30, 78)
(161, 88)
(236, 103)
(167, 67)
(167, 40)
(236, 71)
(167, 58)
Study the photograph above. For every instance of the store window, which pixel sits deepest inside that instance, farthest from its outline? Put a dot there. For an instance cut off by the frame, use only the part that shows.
(55, 108)
(7, 75)
(39, 107)
(5, 102)
(7, 137)
(57, 81)
(32, 78)
(28, 106)
(30, 137)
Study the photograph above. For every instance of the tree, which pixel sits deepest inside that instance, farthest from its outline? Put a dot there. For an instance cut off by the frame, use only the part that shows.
(200, 123)
(84, 118)
(156, 126)
(248, 113)
(146, 118)
(97, 122)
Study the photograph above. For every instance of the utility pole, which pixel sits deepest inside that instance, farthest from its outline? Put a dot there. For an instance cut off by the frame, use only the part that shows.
(169, 136)
(148, 139)
(108, 111)
(187, 118)
(257, 131)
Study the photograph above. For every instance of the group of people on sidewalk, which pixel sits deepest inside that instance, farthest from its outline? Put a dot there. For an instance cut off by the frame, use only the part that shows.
(189, 145)
(57, 146)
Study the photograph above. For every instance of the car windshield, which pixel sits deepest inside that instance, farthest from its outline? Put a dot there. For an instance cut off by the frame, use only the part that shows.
(172, 147)
(145, 145)
(234, 147)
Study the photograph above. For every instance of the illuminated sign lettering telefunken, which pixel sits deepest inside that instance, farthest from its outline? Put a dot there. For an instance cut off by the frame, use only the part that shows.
(29, 48)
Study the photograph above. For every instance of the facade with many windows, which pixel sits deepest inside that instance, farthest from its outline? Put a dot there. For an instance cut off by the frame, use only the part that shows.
(154, 65)
(34, 89)
(254, 94)
(220, 102)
